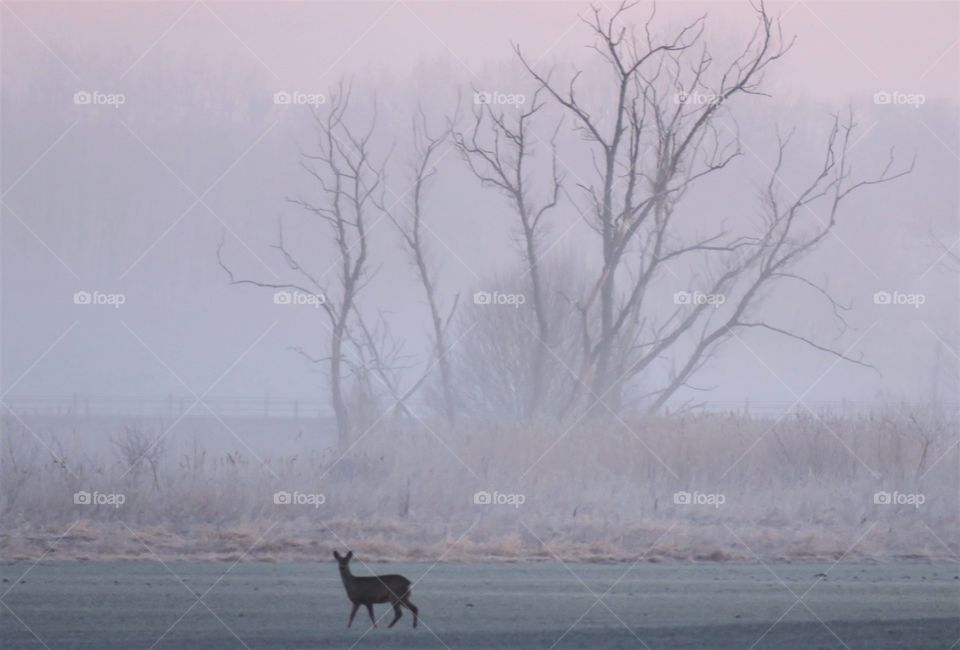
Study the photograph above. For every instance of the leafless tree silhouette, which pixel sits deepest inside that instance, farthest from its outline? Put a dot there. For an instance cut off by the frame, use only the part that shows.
(409, 223)
(664, 126)
(498, 150)
(349, 181)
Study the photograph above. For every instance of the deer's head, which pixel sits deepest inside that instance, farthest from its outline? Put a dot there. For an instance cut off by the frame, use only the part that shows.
(344, 561)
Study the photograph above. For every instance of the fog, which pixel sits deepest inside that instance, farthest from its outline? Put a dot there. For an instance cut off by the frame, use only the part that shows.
(104, 198)
(726, 302)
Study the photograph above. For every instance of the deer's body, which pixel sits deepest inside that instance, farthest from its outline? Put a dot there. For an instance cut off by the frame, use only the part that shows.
(369, 591)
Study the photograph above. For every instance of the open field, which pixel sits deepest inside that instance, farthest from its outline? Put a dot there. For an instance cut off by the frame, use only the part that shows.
(147, 604)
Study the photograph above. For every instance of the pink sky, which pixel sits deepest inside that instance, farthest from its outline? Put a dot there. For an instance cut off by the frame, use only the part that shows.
(844, 50)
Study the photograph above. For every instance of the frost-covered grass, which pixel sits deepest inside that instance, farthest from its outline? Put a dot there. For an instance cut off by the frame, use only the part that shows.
(799, 487)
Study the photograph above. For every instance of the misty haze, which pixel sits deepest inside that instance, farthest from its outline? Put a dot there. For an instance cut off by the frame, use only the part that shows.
(502, 325)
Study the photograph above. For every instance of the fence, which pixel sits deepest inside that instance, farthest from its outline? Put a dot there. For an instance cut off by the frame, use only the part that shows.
(170, 406)
(267, 406)
(821, 408)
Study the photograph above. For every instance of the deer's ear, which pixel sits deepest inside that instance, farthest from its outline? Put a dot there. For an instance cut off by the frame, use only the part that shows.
(349, 555)
(337, 555)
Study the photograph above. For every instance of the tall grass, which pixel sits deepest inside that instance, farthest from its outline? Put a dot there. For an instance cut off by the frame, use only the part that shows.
(799, 487)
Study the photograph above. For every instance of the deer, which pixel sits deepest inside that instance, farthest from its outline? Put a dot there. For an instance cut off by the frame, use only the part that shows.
(369, 591)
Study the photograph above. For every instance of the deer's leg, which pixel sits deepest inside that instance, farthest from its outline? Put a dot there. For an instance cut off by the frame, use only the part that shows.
(372, 619)
(353, 612)
(413, 608)
(397, 611)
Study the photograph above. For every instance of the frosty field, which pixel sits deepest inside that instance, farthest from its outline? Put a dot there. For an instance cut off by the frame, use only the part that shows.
(144, 604)
(798, 488)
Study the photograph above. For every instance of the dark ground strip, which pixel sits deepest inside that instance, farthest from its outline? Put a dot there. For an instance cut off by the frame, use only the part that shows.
(133, 604)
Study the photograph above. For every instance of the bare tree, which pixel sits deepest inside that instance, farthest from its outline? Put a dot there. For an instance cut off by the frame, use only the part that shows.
(380, 356)
(498, 150)
(410, 226)
(497, 347)
(792, 231)
(663, 127)
(135, 448)
(344, 171)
